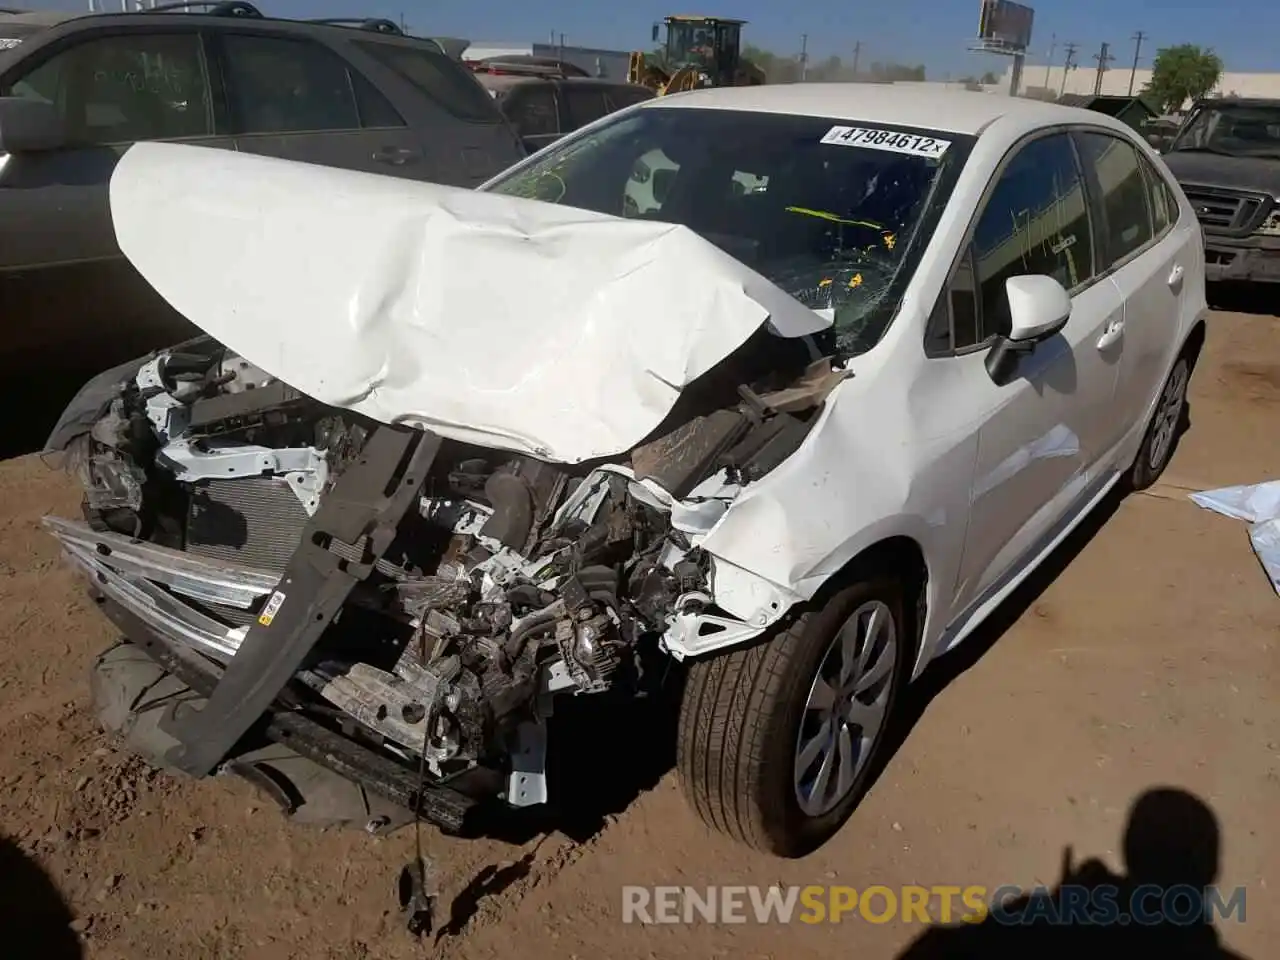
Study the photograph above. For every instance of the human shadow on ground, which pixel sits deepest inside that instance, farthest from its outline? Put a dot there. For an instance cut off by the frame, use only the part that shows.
(1158, 908)
(35, 922)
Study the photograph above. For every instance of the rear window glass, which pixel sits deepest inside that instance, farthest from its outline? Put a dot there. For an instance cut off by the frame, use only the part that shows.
(443, 80)
(625, 96)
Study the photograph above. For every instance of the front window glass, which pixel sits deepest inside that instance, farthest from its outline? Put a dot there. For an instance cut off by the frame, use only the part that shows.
(691, 43)
(121, 89)
(1249, 130)
(835, 224)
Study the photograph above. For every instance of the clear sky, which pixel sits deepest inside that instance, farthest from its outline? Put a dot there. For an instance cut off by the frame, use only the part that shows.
(1246, 33)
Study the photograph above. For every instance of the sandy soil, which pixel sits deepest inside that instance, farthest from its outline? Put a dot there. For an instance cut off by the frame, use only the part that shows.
(1145, 655)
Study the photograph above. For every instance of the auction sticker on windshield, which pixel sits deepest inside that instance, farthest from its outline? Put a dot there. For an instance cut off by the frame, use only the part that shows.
(895, 141)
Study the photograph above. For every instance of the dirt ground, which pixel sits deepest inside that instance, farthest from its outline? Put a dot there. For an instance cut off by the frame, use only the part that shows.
(1145, 655)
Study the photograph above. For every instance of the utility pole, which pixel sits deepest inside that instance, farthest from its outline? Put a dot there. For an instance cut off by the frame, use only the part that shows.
(1068, 65)
(1103, 57)
(804, 57)
(857, 52)
(1137, 51)
(1048, 61)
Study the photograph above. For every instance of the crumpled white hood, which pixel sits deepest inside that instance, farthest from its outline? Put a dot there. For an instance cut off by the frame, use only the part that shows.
(500, 321)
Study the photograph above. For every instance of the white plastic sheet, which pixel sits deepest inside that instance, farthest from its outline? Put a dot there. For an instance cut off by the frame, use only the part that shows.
(1258, 505)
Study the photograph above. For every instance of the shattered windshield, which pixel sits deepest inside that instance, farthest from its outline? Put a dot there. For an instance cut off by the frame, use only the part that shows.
(831, 213)
(1242, 130)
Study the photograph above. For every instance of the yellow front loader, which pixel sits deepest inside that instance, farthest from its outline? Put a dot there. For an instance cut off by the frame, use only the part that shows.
(699, 52)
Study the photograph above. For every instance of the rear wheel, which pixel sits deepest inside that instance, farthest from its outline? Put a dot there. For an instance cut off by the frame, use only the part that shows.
(1166, 424)
(777, 740)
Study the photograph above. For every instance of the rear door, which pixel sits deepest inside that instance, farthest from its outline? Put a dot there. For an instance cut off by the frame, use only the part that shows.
(534, 111)
(583, 103)
(627, 94)
(1146, 256)
(465, 136)
(70, 298)
(295, 98)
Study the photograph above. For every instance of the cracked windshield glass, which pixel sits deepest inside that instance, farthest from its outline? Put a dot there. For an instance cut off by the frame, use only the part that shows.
(1238, 130)
(830, 213)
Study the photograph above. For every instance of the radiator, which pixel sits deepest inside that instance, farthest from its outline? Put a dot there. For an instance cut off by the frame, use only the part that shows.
(254, 521)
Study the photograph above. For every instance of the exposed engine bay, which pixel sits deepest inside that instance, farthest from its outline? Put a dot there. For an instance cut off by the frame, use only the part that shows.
(508, 579)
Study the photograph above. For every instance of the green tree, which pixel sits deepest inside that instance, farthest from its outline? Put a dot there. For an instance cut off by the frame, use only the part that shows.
(989, 78)
(1182, 73)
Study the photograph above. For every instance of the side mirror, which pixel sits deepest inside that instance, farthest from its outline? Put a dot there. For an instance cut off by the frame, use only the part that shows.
(1039, 307)
(29, 126)
(662, 180)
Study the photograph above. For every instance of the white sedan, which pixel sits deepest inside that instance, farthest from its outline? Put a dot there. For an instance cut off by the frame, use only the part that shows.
(793, 384)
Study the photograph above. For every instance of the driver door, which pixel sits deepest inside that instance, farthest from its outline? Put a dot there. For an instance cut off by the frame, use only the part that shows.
(1041, 435)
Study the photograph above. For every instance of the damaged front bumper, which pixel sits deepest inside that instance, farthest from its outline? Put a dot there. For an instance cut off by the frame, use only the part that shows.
(149, 581)
(415, 602)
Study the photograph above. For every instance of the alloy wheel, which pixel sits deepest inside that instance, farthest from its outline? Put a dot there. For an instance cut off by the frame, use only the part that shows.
(1168, 415)
(846, 708)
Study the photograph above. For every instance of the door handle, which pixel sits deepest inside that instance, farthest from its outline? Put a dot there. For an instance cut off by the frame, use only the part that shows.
(396, 156)
(1112, 335)
(1175, 276)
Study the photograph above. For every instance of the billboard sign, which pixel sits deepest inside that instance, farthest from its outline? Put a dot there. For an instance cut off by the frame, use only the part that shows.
(1005, 24)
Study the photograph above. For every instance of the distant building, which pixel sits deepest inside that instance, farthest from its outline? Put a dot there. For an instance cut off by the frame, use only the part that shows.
(610, 64)
(1115, 82)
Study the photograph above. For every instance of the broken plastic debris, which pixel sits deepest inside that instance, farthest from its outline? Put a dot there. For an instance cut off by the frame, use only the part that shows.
(1265, 538)
(1252, 503)
(1259, 505)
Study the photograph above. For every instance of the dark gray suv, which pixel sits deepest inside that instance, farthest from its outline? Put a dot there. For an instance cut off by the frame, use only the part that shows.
(544, 108)
(77, 90)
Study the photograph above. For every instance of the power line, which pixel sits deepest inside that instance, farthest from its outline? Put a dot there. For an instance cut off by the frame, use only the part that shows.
(857, 52)
(1068, 65)
(1137, 51)
(804, 57)
(1103, 57)
(1048, 61)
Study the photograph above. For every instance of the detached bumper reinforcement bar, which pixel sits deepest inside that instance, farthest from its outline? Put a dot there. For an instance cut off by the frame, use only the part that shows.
(368, 501)
(438, 804)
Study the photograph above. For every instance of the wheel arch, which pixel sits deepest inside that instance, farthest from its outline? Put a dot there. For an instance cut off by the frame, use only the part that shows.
(1194, 343)
(904, 556)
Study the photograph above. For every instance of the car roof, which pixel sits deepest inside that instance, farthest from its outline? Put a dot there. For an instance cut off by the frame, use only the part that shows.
(37, 19)
(954, 111)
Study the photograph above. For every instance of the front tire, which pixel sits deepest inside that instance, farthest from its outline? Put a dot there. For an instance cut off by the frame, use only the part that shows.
(777, 740)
